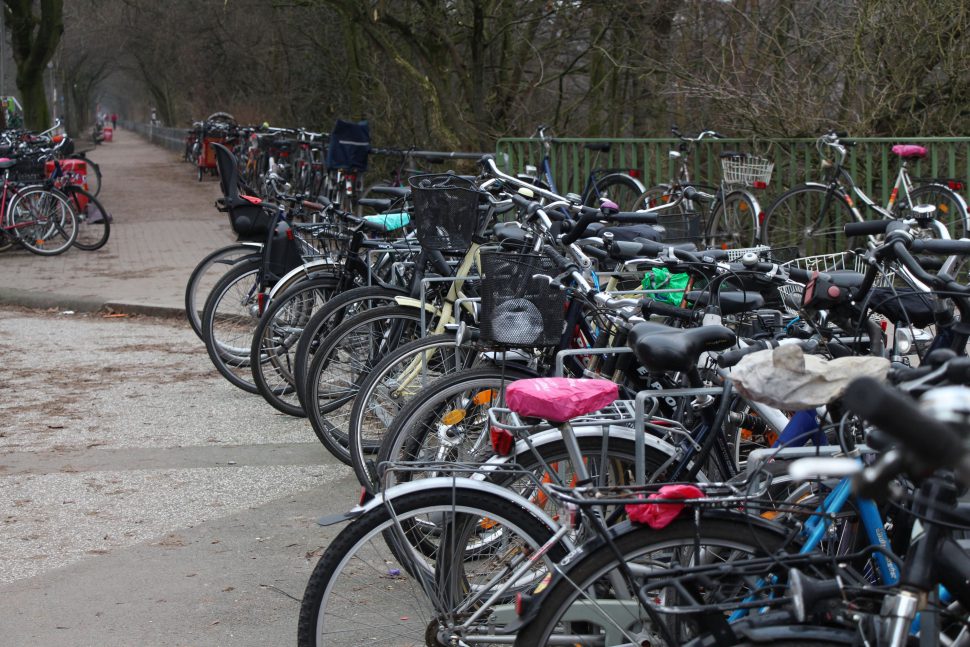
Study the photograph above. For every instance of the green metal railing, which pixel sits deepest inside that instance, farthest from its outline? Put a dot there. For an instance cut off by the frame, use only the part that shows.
(871, 162)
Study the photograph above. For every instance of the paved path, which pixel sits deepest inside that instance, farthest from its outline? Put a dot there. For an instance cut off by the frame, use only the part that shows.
(164, 223)
(143, 499)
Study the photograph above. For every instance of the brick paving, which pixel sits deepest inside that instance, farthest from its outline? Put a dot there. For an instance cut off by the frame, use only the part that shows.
(164, 223)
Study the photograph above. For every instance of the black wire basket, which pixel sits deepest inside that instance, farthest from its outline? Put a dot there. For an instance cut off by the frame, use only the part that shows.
(446, 214)
(519, 310)
(682, 227)
(29, 170)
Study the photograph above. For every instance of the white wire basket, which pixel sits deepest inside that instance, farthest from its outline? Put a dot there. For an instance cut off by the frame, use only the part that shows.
(747, 170)
(844, 261)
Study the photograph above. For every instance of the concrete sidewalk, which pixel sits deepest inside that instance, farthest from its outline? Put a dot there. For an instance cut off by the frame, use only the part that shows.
(164, 223)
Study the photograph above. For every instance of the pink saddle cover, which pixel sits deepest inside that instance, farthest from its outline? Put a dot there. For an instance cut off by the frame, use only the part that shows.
(558, 399)
(909, 151)
(252, 199)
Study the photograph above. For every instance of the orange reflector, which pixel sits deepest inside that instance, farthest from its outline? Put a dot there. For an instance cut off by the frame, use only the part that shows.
(487, 524)
(453, 417)
(483, 397)
(944, 208)
(742, 206)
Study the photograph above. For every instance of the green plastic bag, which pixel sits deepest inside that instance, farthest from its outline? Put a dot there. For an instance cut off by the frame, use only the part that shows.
(660, 278)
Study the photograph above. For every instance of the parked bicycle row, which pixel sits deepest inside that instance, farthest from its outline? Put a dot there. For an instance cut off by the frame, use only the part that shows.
(48, 201)
(512, 374)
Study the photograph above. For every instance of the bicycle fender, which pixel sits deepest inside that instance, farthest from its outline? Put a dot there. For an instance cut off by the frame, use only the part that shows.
(411, 302)
(449, 483)
(306, 269)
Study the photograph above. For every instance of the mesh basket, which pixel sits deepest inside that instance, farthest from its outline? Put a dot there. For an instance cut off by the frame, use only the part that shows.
(681, 227)
(517, 309)
(446, 212)
(29, 169)
(746, 170)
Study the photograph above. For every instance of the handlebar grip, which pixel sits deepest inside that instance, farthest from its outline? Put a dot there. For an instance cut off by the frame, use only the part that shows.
(595, 252)
(868, 228)
(561, 262)
(945, 247)
(652, 307)
(634, 217)
(732, 357)
(840, 133)
(925, 437)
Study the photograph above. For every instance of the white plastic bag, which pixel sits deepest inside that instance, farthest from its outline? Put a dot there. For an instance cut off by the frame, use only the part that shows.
(786, 378)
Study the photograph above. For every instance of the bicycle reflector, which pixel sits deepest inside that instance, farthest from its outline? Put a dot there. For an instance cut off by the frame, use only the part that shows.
(955, 185)
(502, 440)
(758, 184)
(634, 173)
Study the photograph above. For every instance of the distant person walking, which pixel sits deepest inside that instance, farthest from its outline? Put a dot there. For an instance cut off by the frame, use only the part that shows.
(114, 120)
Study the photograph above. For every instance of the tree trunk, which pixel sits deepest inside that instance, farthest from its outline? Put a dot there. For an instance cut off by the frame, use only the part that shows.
(34, 40)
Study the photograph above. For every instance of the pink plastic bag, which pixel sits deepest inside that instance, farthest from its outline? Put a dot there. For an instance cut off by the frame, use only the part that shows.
(558, 399)
(659, 515)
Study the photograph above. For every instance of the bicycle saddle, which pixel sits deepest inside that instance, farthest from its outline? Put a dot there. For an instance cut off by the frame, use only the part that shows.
(676, 349)
(731, 302)
(6, 163)
(394, 191)
(558, 399)
(377, 204)
(603, 147)
(909, 151)
(623, 232)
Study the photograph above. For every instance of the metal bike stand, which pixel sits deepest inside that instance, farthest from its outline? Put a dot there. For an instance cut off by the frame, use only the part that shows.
(371, 253)
(424, 297)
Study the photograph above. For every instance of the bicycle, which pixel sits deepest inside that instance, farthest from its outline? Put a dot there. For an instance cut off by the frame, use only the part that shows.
(811, 216)
(618, 185)
(727, 216)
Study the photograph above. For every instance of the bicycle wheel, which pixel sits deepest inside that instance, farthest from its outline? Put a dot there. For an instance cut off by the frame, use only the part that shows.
(229, 319)
(951, 208)
(448, 421)
(42, 220)
(594, 604)
(93, 220)
(205, 275)
(390, 385)
(734, 223)
(371, 587)
(344, 359)
(276, 337)
(622, 189)
(809, 217)
(337, 310)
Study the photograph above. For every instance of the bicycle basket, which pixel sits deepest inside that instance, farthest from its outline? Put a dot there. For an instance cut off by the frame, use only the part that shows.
(518, 309)
(747, 170)
(446, 212)
(29, 169)
(681, 227)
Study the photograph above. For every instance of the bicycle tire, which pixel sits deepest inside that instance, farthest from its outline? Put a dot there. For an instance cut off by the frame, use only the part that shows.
(951, 208)
(621, 188)
(386, 602)
(734, 223)
(199, 283)
(228, 321)
(37, 215)
(342, 362)
(480, 387)
(335, 312)
(93, 177)
(808, 217)
(276, 336)
(93, 232)
(634, 542)
(383, 393)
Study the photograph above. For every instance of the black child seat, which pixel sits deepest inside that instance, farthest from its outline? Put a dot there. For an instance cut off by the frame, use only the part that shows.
(249, 217)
